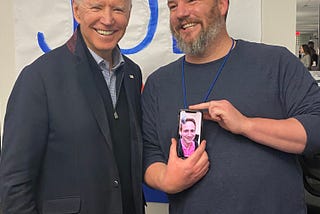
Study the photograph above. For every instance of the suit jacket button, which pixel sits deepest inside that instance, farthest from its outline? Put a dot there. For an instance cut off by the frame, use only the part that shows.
(115, 183)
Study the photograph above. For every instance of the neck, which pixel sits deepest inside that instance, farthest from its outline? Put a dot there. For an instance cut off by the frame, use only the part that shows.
(108, 57)
(216, 50)
(186, 144)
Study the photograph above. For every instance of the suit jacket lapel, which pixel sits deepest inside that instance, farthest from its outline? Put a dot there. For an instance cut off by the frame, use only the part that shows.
(88, 85)
(94, 99)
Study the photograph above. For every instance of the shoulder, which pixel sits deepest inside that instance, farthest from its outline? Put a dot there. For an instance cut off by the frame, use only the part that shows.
(269, 55)
(262, 48)
(34, 78)
(163, 79)
(50, 60)
(168, 71)
(47, 62)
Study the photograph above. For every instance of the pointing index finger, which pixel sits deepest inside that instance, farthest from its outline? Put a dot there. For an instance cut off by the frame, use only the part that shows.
(200, 106)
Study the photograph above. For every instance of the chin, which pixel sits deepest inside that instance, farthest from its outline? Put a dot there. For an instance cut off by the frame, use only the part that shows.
(106, 46)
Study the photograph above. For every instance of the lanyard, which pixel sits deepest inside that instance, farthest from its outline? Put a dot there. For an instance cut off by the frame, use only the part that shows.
(211, 85)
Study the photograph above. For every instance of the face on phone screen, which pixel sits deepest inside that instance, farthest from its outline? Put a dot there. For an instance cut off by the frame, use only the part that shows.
(189, 132)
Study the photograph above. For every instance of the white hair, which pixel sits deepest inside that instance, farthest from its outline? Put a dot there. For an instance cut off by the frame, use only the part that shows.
(79, 1)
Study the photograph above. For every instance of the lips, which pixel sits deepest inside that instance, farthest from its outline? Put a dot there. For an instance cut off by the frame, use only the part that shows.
(188, 25)
(105, 32)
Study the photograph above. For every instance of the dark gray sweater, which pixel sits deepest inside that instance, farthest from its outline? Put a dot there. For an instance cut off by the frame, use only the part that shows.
(244, 177)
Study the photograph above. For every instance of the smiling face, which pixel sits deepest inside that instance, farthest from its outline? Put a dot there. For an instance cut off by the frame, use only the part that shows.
(195, 23)
(102, 23)
(188, 132)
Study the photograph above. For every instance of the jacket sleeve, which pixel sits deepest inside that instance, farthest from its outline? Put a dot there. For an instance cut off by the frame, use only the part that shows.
(24, 142)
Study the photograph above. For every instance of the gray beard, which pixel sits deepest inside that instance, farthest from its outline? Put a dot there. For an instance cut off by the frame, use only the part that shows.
(199, 45)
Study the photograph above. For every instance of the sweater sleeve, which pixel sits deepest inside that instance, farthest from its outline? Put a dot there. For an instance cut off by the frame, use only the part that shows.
(300, 94)
(151, 146)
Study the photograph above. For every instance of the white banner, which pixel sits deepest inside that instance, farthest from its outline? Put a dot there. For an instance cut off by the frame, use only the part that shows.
(41, 24)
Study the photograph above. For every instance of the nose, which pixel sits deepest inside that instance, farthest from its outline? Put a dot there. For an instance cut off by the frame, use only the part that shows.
(190, 133)
(182, 10)
(107, 17)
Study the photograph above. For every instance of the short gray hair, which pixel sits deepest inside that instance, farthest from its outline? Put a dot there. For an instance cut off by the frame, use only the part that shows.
(79, 1)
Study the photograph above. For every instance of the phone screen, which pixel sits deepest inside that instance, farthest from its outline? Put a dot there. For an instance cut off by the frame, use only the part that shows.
(189, 132)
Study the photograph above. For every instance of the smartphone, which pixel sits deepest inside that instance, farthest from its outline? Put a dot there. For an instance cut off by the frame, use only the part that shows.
(189, 132)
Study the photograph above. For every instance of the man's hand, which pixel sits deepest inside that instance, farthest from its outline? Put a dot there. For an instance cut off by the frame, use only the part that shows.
(225, 114)
(178, 174)
(287, 135)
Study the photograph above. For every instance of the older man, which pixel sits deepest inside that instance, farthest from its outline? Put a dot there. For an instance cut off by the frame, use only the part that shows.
(72, 140)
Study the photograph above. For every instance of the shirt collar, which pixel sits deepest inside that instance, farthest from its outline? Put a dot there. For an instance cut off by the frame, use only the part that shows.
(117, 58)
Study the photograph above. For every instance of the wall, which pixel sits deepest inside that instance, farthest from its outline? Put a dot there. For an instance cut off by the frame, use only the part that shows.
(279, 23)
(7, 64)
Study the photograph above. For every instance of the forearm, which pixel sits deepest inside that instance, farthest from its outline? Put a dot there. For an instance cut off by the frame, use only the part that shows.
(286, 135)
(170, 179)
(154, 175)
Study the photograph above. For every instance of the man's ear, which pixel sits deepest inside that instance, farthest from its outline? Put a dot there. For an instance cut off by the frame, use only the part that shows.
(75, 8)
(223, 7)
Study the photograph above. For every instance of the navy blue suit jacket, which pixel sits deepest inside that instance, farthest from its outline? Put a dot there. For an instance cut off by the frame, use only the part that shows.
(57, 152)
